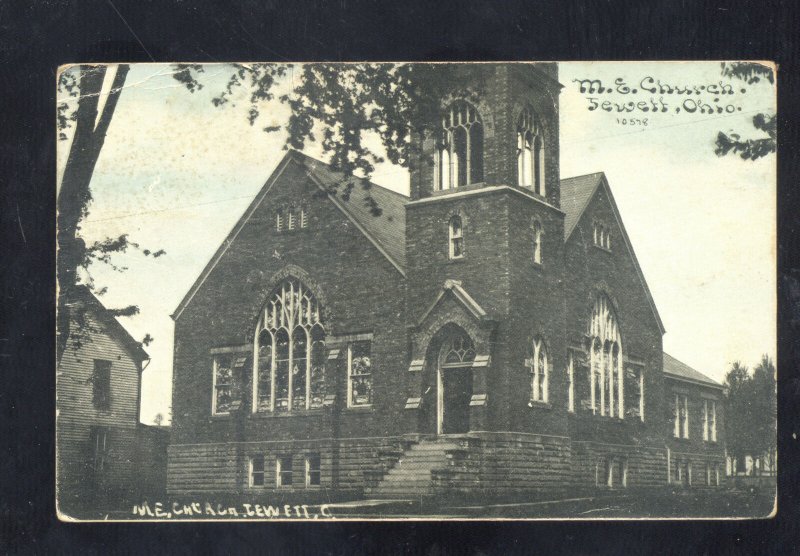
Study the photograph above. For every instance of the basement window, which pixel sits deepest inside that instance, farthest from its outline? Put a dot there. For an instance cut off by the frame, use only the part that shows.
(257, 471)
(313, 473)
(283, 471)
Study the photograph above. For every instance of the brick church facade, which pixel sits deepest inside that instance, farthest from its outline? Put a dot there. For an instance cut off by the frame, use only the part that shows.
(491, 334)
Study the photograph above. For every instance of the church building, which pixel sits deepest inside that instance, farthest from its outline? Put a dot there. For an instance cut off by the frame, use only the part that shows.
(490, 335)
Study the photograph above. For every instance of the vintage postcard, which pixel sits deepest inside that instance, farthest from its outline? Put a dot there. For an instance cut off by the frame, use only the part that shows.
(416, 291)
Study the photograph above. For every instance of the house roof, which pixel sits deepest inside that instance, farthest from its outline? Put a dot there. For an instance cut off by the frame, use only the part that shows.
(82, 294)
(576, 195)
(388, 229)
(681, 371)
(576, 192)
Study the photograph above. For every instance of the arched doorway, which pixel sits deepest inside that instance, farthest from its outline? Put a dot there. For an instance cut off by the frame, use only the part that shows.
(454, 383)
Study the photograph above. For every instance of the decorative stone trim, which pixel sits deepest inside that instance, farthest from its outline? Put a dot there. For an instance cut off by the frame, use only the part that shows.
(481, 361)
(416, 365)
(477, 400)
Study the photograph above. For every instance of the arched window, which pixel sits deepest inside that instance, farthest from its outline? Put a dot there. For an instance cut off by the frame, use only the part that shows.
(459, 150)
(605, 369)
(458, 352)
(289, 349)
(538, 365)
(530, 152)
(537, 242)
(456, 231)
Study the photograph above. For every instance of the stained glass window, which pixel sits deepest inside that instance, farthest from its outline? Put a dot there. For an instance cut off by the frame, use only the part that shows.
(538, 366)
(606, 373)
(359, 372)
(290, 365)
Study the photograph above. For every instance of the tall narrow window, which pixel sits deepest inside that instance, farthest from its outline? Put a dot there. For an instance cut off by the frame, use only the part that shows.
(289, 373)
(537, 242)
(359, 374)
(713, 420)
(291, 218)
(641, 394)
(456, 231)
(101, 384)
(459, 151)
(313, 472)
(539, 369)
(705, 420)
(570, 383)
(530, 152)
(279, 220)
(681, 423)
(223, 385)
(606, 373)
(257, 471)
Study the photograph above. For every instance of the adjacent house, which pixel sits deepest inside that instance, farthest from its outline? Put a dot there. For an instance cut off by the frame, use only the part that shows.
(99, 439)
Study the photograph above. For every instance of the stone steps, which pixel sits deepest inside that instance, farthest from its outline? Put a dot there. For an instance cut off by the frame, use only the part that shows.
(411, 474)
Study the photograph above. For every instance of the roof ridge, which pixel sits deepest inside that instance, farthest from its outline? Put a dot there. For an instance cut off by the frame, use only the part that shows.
(583, 175)
(327, 165)
(688, 367)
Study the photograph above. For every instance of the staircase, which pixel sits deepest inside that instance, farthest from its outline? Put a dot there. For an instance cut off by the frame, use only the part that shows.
(410, 477)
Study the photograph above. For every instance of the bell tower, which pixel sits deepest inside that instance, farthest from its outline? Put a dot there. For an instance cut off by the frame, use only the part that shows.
(497, 125)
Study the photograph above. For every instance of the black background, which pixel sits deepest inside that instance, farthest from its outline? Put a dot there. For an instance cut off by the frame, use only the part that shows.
(35, 37)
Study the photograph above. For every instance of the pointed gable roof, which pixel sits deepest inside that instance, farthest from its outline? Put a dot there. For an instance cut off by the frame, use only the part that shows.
(576, 195)
(386, 232)
(681, 371)
(388, 229)
(82, 295)
(461, 295)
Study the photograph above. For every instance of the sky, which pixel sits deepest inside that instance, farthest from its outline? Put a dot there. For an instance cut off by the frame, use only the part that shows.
(176, 173)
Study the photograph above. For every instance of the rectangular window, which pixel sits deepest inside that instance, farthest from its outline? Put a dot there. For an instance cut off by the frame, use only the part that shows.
(98, 441)
(303, 217)
(279, 220)
(101, 384)
(705, 420)
(291, 219)
(257, 471)
(227, 370)
(283, 471)
(359, 374)
(313, 473)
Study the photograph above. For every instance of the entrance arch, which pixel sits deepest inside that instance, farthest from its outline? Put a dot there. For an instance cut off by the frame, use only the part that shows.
(454, 380)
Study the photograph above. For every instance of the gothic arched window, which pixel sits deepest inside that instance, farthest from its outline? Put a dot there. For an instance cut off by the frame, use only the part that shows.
(458, 351)
(530, 152)
(456, 232)
(605, 370)
(539, 368)
(459, 150)
(288, 370)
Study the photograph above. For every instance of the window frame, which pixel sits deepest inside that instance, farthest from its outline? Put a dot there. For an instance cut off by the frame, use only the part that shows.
(214, 384)
(460, 118)
(455, 235)
(310, 470)
(252, 472)
(531, 152)
(606, 360)
(540, 378)
(538, 232)
(276, 320)
(681, 419)
(281, 472)
(101, 384)
(349, 369)
(570, 381)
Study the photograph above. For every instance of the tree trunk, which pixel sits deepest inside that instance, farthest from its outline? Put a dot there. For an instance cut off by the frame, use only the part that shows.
(75, 195)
